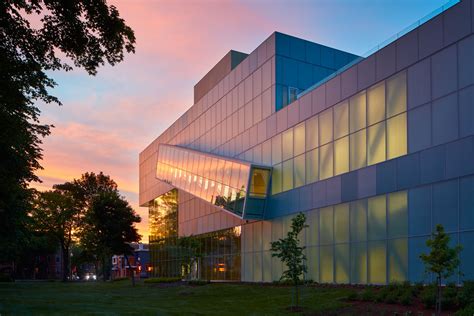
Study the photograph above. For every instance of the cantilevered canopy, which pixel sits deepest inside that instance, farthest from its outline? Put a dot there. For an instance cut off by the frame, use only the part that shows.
(237, 186)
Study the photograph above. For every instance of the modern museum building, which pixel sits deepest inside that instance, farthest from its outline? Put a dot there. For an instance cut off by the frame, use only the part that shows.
(375, 150)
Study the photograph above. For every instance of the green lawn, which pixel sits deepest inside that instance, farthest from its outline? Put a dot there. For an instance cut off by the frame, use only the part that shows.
(112, 298)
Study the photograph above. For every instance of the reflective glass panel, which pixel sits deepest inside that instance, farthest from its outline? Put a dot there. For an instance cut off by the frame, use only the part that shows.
(326, 161)
(397, 136)
(287, 175)
(326, 225)
(357, 112)
(299, 139)
(341, 155)
(277, 178)
(312, 133)
(377, 218)
(397, 260)
(397, 214)
(377, 262)
(342, 263)
(376, 104)
(396, 94)
(287, 144)
(259, 182)
(358, 147)
(341, 223)
(312, 165)
(376, 143)
(276, 149)
(325, 127)
(358, 216)
(299, 172)
(341, 120)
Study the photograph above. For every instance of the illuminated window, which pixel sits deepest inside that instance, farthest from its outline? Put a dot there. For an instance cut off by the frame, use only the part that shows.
(341, 120)
(326, 161)
(326, 225)
(276, 149)
(259, 182)
(376, 104)
(312, 133)
(299, 139)
(287, 144)
(398, 260)
(326, 265)
(397, 136)
(396, 94)
(312, 166)
(359, 263)
(325, 127)
(358, 216)
(358, 147)
(376, 143)
(341, 155)
(377, 262)
(287, 175)
(341, 262)
(277, 178)
(357, 112)
(299, 172)
(397, 214)
(377, 218)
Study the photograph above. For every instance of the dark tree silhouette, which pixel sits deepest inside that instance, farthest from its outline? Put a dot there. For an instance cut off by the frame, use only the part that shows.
(86, 34)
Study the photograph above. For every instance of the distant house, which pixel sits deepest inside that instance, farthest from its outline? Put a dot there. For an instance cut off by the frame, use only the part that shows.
(138, 263)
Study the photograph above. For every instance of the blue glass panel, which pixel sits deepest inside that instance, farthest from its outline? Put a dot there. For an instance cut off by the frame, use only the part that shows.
(408, 171)
(419, 211)
(419, 128)
(416, 271)
(466, 203)
(433, 164)
(445, 119)
(460, 157)
(467, 255)
(445, 205)
(386, 177)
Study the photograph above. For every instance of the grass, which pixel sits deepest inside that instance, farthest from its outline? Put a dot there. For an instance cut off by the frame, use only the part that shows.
(111, 298)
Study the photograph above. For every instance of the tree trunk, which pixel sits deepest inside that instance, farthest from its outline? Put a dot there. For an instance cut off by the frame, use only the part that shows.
(296, 294)
(131, 270)
(438, 296)
(65, 253)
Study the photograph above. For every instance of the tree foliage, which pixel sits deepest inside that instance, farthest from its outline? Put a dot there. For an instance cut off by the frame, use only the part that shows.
(190, 254)
(291, 253)
(56, 214)
(442, 260)
(38, 36)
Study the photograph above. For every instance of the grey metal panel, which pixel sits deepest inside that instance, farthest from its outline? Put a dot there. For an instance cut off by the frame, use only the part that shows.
(460, 157)
(430, 36)
(262, 131)
(419, 128)
(293, 113)
(466, 61)
(385, 62)
(444, 72)
(466, 111)
(271, 125)
(445, 119)
(305, 106)
(457, 22)
(319, 193)
(282, 120)
(386, 177)
(318, 99)
(408, 171)
(366, 72)
(333, 91)
(407, 49)
(349, 82)
(366, 182)
(333, 193)
(433, 164)
(419, 84)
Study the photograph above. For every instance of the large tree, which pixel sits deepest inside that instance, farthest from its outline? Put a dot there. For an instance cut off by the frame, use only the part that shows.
(36, 37)
(56, 214)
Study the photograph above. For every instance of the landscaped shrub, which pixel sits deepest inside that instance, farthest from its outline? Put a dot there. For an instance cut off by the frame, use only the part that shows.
(449, 297)
(428, 296)
(466, 294)
(368, 295)
(163, 280)
(353, 296)
(6, 278)
(406, 298)
(466, 311)
(198, 282)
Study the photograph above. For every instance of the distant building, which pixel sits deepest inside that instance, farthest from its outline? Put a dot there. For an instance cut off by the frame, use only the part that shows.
(375, 150)
(138, 262)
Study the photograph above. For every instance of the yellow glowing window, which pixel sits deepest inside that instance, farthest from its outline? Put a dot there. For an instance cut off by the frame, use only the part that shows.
(326, 161)
(397, 214)
(377, 262)
(357, 112)
(276, 149)
(376, 104)
(341, 223)
(396, 94)
(312, 166)
(299, 139)
(287, 175)
(259, 182)
(326, 225)
(377, 218)
(287, 144)
(398, 259)
(341, 120)
(325, 127)
(358, 150)
(397, 136)
(299, 172)
(341, 155)
(276, 178)
(376, 143)
(312, 133)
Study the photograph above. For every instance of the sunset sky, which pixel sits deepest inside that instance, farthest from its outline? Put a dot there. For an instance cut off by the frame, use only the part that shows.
(108, 119)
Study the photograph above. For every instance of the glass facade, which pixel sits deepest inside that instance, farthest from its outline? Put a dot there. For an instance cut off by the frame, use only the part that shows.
(368, 128)
(219, 181)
